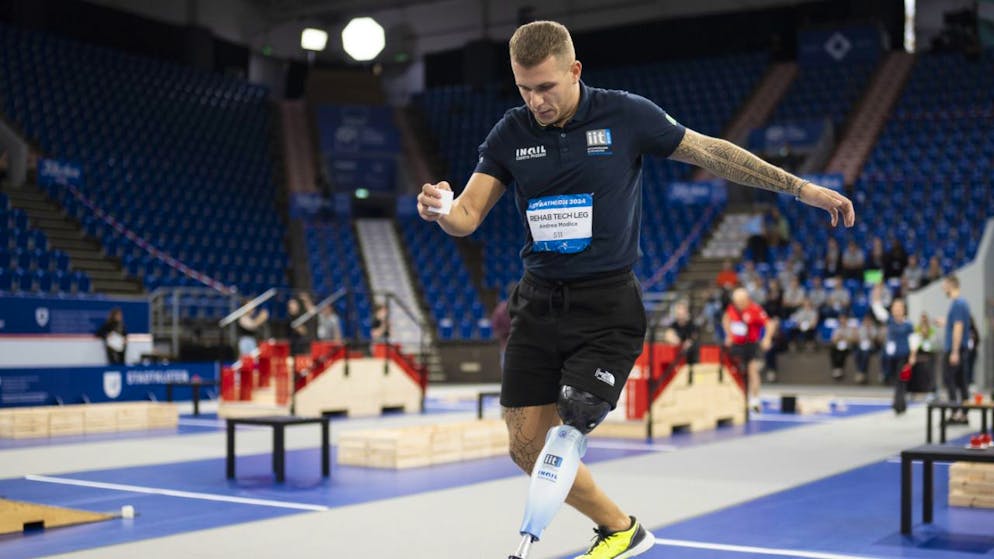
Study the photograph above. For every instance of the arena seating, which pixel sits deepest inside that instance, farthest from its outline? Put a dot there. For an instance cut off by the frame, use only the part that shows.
(27, 264)
(178, 156)
(333, 256)
(701, 93)
(828, 91)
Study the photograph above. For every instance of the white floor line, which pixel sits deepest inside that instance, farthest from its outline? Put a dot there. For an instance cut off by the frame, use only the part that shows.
(621, 445)
(759, 550)
(204, 422)
(173, 493)
(790, 418)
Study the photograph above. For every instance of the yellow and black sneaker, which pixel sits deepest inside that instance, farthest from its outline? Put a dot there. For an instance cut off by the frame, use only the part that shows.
(636, 540)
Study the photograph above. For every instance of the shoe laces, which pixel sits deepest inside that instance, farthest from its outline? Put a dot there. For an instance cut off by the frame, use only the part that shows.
(600, 535)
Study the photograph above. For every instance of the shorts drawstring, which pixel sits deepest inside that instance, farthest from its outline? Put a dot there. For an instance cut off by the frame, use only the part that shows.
(562, 289)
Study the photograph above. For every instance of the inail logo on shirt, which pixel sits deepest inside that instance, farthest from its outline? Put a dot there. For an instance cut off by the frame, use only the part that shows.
(599, 142)
(535, 152)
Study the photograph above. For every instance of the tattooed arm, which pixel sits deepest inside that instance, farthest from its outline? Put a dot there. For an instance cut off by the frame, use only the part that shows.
(729, 161)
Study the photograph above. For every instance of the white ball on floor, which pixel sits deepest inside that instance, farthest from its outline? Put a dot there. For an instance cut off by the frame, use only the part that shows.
(127, 511)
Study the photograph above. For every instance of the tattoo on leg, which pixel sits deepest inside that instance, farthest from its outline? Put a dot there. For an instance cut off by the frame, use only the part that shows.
(524, 446)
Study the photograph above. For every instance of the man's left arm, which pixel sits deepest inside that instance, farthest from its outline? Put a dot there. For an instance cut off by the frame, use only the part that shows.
(731, 162)
(957, 341)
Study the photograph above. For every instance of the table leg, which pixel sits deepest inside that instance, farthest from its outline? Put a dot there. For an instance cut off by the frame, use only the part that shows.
(326, 447)
(983, 420)
(942, 425)
(230, 460)
(905, 495)
(169, 392)
(927, 491)
(928, 424)
(279, 453)
(196, 399)
(479, 405)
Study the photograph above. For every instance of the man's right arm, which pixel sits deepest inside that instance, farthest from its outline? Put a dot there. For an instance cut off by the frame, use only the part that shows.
(468, 210)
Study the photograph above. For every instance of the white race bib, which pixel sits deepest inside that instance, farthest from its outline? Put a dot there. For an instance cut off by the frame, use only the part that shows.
(739, 328)
(842, 345)
(891, 348)
(865, 345)
(562, 223)
(115, 341)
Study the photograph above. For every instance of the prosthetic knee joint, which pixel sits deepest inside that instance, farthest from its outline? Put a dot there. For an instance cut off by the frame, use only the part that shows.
(555, 469)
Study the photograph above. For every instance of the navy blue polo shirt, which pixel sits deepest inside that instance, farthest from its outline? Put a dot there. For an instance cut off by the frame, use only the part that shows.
(559, 173)
(959, 311)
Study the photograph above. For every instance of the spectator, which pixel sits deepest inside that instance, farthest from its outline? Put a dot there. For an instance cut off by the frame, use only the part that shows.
(895, 260)
(250, 326)
(882, 293)
(727, 278)
(714, 308)
(913, 273)
(115, 337)
(877, 258)
(934, 271)
(839, 298)
(832, 261)
(773, 303)
(926, 335)
(758, 243)
(380, 330)
(957, 325)
(793, 297)
(777, 228)
(899, 351)
(817, 294)
(868, 341)
(790, 269)
(744, 323)
(750, 278)
(682, 331)
(844, 338)
(329, 325)
(806, 319)
(853, 261)
(299, 338)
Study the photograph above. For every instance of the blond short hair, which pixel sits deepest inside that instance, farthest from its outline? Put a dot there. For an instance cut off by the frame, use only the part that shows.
(533, 42)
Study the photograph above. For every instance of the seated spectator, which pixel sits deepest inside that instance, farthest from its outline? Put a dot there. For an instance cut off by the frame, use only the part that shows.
(870, 337)
(806, 319)
(793, 296)
(853, 261)
(913, 273)
(832, 261)
(844, 338)
(758, 243)
(773, 304)
(750, 279)
(818, 295)
(895, 260)
(934, 272)
(727, 278)
(877, 257)
(777, 228)
(881, 292)
(839, 299)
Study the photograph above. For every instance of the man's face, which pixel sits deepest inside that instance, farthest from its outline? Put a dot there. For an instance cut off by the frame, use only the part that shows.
(947, 288)
(548, 88)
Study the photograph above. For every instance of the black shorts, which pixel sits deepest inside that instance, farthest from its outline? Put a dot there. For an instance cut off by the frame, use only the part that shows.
(744, 353)
(584, 333)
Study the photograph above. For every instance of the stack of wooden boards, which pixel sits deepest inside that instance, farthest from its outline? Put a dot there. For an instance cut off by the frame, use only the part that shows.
(82, 419)
(971, 484)
(423, 445)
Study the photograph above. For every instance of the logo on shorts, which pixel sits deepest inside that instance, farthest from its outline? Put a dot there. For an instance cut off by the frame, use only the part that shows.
(535, 152)
(604, 376)
(553, 460)
(599, 142)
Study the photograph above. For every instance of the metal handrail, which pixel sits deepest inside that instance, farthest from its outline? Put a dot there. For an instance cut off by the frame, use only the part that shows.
(247, 307)
(329, 300)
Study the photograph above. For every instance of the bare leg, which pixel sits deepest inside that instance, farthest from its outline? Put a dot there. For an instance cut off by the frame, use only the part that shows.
(526, 428)
(754, 379)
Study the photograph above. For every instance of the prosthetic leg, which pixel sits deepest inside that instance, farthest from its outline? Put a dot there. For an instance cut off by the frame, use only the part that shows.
(555, 469)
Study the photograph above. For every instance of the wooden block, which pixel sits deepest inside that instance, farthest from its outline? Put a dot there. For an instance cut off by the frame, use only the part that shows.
(162, 415)
(132, 417)
(960, 500)
(100, 418)
(620, 429)
(25, 423)
(65, 421)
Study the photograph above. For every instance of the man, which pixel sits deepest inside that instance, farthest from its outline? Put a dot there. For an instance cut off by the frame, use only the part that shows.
(727, 278)
(329, 325)
(957, 325)
(682, 331)
(574, 155)
(748, 329)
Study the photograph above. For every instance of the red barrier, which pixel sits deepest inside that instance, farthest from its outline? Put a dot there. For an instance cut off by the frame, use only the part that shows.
(227, 384)
(281, 378)
(246, 379)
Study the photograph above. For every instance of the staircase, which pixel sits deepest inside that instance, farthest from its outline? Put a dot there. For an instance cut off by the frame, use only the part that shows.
(384, 261)
(86, 254)
(870, 115)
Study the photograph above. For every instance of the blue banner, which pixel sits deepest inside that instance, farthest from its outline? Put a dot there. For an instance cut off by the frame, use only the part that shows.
(306, 204)
(53, 171)
(353, 129)
(697, 193)
(372, 173)
(49, 315)
(798, 136)
(858, 43)
(74, 385)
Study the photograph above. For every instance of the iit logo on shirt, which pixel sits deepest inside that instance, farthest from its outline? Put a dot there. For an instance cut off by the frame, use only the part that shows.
(599, 142)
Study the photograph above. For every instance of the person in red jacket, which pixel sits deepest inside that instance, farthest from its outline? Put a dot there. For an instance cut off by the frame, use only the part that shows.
(748, 329)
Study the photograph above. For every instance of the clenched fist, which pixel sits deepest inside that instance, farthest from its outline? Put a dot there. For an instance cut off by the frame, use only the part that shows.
(431, 197)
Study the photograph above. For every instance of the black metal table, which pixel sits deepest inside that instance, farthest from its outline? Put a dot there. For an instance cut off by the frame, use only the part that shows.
(943, 407)
(279, 424)
(481, 397)
(196, 385)
(929, 454)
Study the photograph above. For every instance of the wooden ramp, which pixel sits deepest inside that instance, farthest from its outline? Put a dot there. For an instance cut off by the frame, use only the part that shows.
(360, 387)
(18, 516)
(698, 398)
